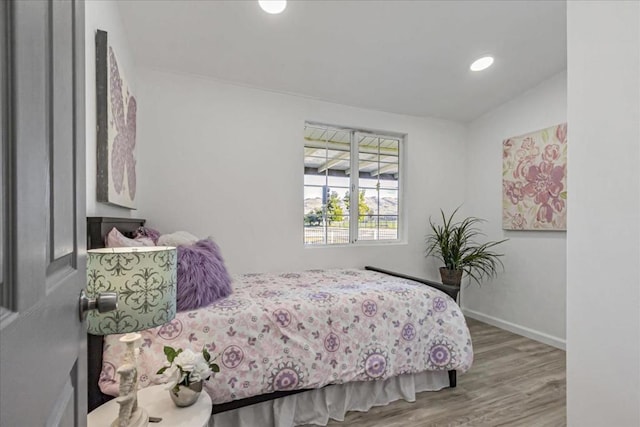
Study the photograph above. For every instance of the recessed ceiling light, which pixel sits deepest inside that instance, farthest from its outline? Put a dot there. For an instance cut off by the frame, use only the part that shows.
(482, 63)
(273, 6)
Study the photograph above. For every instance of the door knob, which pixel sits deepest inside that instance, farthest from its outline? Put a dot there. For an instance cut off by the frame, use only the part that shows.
(105, 301)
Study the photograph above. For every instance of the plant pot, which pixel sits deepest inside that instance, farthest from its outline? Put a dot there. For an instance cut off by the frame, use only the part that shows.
(450, 277)
(186, 395)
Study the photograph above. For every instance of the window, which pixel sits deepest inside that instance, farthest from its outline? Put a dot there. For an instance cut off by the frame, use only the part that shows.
(341, 207)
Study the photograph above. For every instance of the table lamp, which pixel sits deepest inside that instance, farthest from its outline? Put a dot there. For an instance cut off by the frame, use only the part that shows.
(144, 279)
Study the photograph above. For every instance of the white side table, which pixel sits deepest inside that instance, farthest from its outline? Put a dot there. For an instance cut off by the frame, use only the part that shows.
(157, 402)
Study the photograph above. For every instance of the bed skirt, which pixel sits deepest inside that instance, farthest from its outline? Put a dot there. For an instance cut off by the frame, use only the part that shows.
(317, 407)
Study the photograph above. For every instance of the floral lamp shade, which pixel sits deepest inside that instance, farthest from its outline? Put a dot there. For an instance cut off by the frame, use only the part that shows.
(144, 279)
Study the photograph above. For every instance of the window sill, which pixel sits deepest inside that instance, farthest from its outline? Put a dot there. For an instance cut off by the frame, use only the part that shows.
(362, 243)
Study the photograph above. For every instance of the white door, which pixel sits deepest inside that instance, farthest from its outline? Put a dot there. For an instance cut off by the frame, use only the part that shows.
(42, 211)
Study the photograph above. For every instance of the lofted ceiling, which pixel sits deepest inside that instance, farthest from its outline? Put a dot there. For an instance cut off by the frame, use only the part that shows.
(407, 57)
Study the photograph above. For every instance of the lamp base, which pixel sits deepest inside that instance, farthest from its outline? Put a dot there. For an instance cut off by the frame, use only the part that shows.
(130, 414)
(139, 418)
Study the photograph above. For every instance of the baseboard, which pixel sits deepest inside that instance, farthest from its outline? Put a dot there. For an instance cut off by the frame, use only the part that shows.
(517, 329)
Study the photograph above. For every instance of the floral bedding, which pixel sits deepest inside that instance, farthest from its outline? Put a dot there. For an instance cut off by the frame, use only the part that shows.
(305, 330)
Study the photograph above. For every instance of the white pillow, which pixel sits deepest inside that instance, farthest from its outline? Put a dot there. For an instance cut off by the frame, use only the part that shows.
(176, 239)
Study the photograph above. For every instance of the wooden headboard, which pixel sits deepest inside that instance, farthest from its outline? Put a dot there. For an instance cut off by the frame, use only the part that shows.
(99, 226)
(97, 229)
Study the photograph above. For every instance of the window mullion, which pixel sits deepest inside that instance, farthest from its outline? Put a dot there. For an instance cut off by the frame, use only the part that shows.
(326, 191)
(354, 198)
(378, 193)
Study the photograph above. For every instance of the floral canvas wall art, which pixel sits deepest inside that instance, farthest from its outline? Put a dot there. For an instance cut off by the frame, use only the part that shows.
(534, 180)
(116, 122)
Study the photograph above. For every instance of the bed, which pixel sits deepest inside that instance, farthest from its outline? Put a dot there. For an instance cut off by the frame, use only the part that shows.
(291, 343)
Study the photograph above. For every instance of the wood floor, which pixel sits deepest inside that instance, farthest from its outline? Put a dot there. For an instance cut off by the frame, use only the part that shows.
(514, 381)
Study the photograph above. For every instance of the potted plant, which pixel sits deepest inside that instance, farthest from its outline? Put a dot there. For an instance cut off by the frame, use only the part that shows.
(454, 243)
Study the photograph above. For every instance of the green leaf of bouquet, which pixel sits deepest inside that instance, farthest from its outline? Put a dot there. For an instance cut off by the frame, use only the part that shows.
(215, 367)
(170, 353)
(161, 371)
(206, 354)
(563, 195)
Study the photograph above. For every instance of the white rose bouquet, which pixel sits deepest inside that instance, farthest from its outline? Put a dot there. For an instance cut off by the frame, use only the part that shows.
(184, 367)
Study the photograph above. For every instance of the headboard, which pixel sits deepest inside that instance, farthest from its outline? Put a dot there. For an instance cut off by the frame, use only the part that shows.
(97, 229)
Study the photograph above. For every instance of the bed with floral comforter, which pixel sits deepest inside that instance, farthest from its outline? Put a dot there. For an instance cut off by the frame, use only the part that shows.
(306, 330)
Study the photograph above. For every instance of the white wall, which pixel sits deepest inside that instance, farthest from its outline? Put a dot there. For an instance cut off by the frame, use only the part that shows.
(603, 241)
(226, 161)
(529, 297)
(102, 15)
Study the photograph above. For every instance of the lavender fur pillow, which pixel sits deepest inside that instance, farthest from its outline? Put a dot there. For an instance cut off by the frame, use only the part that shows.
(202, 276)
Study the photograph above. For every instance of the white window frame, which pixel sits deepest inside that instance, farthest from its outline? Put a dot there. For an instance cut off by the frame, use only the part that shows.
(354, 186)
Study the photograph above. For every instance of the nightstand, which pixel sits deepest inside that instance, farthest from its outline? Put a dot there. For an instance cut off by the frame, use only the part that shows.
(157, 402)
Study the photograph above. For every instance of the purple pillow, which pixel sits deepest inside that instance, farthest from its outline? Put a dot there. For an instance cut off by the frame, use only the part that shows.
(202, 276)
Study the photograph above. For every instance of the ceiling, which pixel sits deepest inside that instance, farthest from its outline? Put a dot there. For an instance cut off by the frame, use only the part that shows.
(407, 57)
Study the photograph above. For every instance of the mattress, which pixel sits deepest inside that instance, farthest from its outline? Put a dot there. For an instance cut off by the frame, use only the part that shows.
(308, 329)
